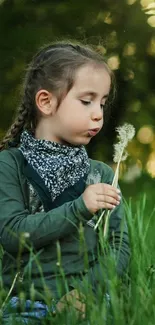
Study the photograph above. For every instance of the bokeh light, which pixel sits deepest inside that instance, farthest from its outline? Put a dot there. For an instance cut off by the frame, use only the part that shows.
(151, 46)
(104, 16)
(150, 166)
(146, 3)
(114, 62)
(129, 49)
(145, 134)
(131, 2)
(151, 21)
(133, 172)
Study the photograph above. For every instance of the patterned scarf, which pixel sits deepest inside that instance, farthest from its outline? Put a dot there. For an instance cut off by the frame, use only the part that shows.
(59, 166)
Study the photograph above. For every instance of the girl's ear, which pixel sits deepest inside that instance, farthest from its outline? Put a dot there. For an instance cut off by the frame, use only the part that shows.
(46, 102)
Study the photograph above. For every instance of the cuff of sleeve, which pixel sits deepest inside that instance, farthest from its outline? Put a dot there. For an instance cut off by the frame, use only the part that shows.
(83, 213)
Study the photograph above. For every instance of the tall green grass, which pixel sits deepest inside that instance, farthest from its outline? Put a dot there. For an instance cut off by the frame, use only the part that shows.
(133, 299)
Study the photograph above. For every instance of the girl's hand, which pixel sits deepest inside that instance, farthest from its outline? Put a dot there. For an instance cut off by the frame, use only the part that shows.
(101, 196)
(73, 299)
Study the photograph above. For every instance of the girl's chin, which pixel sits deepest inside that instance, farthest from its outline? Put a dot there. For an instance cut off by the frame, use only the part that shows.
(78, 141)
(83, 142)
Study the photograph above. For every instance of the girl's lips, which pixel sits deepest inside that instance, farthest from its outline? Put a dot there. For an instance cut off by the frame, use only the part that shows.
(93, 132)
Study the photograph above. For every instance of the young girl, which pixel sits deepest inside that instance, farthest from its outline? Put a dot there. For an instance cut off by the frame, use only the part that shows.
(48, 206)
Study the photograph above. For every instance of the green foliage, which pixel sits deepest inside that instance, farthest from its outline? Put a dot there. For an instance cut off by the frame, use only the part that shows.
(132, 301)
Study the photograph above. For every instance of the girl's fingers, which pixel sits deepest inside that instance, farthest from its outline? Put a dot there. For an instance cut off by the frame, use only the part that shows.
(103, 205)
(106, 188)
(109, 198)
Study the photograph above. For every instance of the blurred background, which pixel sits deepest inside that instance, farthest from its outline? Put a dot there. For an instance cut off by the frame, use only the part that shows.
(124, 31)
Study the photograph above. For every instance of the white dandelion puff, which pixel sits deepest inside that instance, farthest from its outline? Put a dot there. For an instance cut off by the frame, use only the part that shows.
(126, 133)
(117, 149)
(93, 178)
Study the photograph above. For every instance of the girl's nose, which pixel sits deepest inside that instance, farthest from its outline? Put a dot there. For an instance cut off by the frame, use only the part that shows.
(97, 114)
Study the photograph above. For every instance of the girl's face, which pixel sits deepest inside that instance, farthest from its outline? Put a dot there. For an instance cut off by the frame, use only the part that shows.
(82, 109)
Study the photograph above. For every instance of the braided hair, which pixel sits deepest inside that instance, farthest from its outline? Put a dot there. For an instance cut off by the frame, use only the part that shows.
(53, 68)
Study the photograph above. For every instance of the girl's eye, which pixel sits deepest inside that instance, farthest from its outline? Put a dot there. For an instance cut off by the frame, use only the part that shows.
(85, 102)
(103, 106)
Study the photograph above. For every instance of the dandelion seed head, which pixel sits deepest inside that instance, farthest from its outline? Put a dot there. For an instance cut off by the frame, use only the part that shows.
(125, 134)
(118, 148)
(93, 178)
(124, 156)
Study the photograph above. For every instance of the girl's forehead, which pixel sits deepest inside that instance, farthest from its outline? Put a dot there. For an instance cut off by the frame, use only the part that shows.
(95, 77)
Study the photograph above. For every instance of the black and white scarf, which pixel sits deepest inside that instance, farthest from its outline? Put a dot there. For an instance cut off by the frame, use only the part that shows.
(60, 166)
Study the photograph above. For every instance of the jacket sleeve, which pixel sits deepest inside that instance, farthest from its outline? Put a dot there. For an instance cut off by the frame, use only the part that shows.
(43, 227)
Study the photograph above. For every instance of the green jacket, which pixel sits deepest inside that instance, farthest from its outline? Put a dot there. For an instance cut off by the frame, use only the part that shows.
(52, 233)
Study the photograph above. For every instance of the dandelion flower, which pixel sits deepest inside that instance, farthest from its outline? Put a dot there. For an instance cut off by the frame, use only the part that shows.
(93, 178)
(125, 134)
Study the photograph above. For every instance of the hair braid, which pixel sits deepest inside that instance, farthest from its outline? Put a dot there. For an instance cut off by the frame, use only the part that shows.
(24, 117)
(16, 128)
